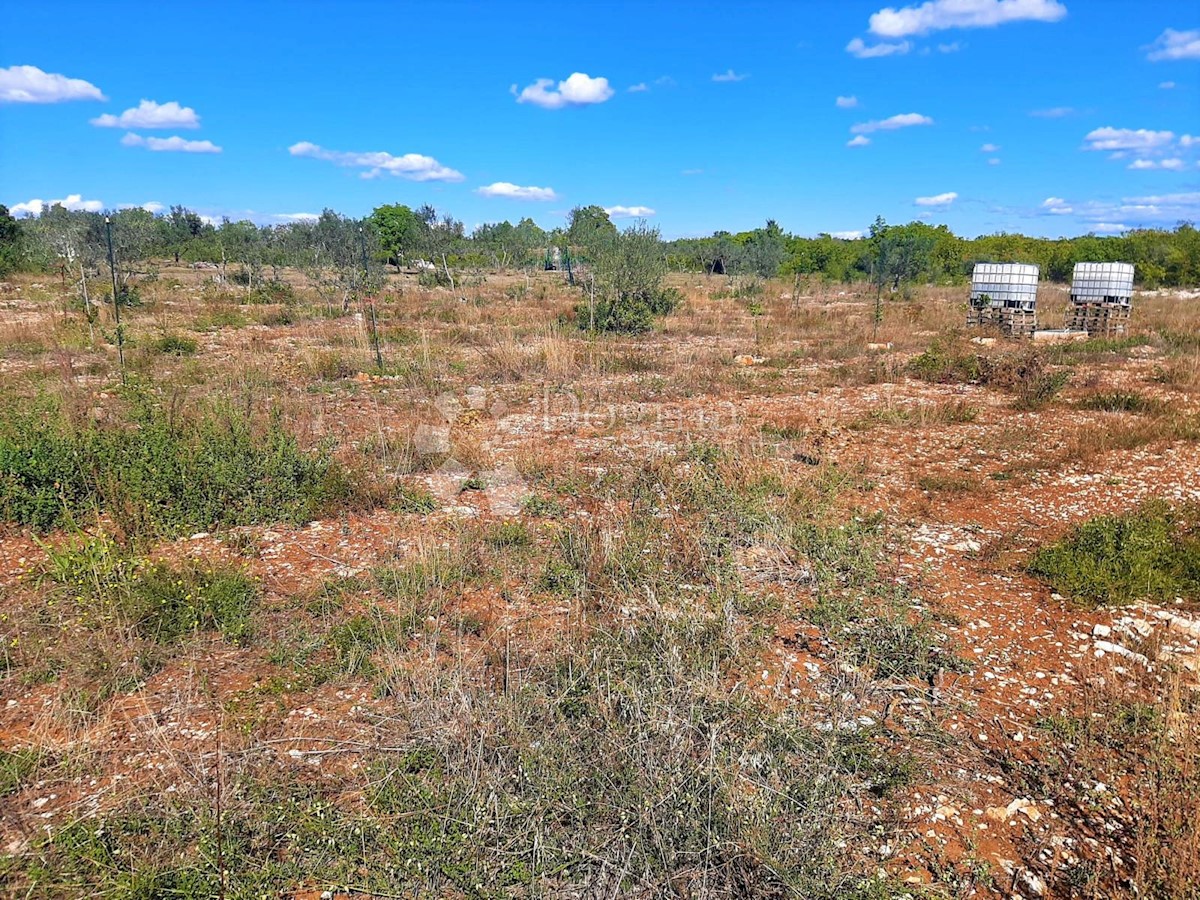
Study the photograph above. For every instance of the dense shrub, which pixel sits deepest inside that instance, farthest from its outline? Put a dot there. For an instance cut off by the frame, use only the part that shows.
(1150, 554)
(174, 345)
(625, 292)
(1026, 375)
(161, 474)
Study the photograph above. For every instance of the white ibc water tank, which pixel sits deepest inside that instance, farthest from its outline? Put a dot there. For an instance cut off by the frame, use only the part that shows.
(1008, 285)
(1102, 283)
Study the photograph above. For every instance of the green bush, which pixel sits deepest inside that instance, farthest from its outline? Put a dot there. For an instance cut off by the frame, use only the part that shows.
(161, 474)
(161, 601)
(174, 345)
(1121, 401)
(1150, 554)
(625, 291)
(941, 364)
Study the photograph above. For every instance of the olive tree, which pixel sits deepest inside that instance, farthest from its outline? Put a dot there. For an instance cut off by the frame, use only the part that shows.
(624, 288)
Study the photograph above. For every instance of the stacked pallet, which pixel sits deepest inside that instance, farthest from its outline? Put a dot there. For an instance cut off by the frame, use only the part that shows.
(1004, 297)
(1005, 319)
(1101, 296)
(1099, 319)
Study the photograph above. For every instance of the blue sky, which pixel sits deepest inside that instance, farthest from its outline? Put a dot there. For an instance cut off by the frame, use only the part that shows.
(1044, 116)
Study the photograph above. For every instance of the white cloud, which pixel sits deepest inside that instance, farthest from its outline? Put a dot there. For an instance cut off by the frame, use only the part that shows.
(904, 120)
(1054, 112)
(638, 88)
(989, 148)
(1172, 165)
(516, 191)
(629, 212)
(174, 144)
(578, 89)
(1122, 139)
(29, 84)
(993, 161)
(859, 48)
(860, 141)
(937, 199)
(413, 166)
(1173, 45)
(729, 75)
(1167, 86)
(295, 217)
(846, 102)
(846, 235)
(1130, 212)
(71, 201)
(149, 114)
(937, 15)
(949, 48)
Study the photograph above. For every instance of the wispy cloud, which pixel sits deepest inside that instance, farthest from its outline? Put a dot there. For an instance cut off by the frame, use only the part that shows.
(938, 15)
(629, 212)
(516, 191)
(729, 75)
(862, 50)
(1129, 212)
(1171, 165)
(903, 120)
(1054, 112)
(413, 166)
(989, 148)
(35, 206)
(846, 102)
(638, 88)
(174, 144)
(937, 199)
(149, 114)
(692, 172)
(860, 141)
(578, 89)
(1141, 140)
(29, 84)
(295, 217)
(1174, 45)
(1167, 86)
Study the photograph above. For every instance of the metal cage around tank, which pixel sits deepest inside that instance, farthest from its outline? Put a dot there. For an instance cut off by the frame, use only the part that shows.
(1004, 286)
(1093, 282)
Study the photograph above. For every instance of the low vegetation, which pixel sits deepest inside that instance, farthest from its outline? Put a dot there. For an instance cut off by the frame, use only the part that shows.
(1151, 554)
(161, 472)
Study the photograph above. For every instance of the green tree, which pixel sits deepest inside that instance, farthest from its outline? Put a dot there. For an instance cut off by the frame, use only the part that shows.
(624, 291)
(589, 228)
(11, 243)
(764, 249)
(400, 232)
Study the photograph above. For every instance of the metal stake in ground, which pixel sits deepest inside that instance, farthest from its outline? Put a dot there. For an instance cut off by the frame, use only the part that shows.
(362, 240)
(116, 298)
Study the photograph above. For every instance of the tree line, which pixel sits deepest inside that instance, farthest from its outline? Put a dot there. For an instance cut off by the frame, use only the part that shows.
(332, 248)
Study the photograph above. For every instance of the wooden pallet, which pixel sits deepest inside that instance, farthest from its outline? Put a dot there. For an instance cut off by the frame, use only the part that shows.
(1104, 319)
(1006, 320)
